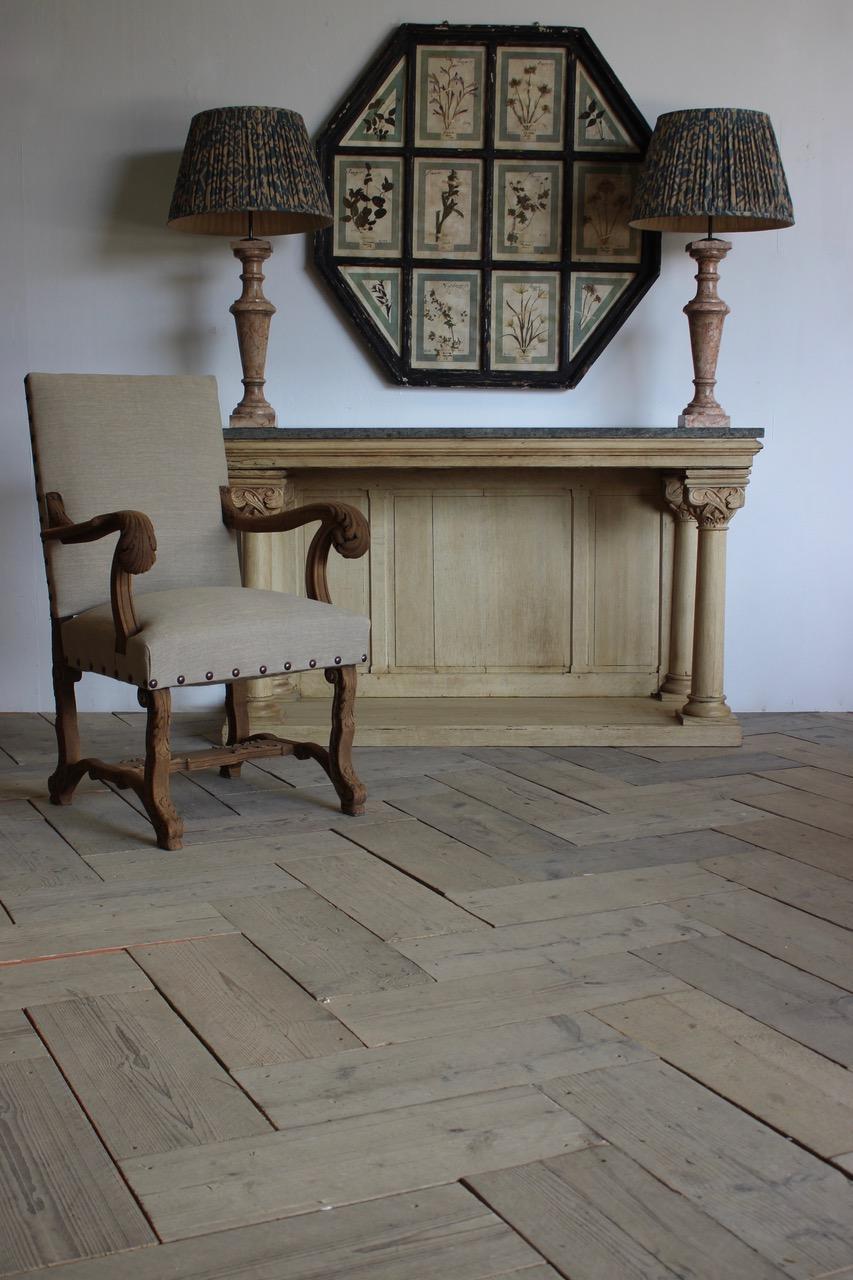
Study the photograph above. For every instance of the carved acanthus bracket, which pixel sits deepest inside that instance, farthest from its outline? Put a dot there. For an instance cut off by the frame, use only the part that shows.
(258, 499)
(713, 498)
(675, 497)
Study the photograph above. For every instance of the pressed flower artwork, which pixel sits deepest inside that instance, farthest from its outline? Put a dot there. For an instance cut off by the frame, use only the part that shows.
(378, 292)
(448, 208)
(481, 180)
(592, 297)
(449, 96)
(525, 320)
(381, 123)
(597, 126)
(368, 197)
(602, 207)
(529, 98)
(446, 319)
(527, 210)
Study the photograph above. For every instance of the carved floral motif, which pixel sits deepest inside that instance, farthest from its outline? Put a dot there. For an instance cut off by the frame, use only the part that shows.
(675, 497)
(714, 508)
(257, 500)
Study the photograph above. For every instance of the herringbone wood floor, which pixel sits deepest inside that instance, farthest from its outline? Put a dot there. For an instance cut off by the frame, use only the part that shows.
(540, 1013)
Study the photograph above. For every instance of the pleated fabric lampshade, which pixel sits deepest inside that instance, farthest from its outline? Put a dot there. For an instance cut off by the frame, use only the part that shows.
(241, 160)
(721, 163)
(711, 169)
(250, 172)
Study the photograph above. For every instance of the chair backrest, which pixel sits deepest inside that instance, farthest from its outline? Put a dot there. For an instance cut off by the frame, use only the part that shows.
(151, 444)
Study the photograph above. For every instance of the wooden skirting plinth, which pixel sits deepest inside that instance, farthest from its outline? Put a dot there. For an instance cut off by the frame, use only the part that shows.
(501, 722)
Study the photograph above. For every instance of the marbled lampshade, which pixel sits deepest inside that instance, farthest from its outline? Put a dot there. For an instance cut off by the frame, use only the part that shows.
(721, 163)
(241, 160)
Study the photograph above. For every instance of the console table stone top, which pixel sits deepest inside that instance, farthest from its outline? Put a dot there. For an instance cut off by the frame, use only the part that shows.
(283, 434)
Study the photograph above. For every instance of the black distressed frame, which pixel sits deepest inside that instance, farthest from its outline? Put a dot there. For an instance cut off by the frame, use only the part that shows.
(579, 48)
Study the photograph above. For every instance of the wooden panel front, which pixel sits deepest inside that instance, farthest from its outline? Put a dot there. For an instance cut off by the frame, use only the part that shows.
(535, 583)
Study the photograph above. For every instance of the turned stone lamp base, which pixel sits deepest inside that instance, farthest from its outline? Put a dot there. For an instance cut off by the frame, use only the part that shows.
(252, 314)
(705, 315)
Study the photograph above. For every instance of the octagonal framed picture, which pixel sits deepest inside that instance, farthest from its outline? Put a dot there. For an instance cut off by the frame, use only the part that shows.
(480, 179)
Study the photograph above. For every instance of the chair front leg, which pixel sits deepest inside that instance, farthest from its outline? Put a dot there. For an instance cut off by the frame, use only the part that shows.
(60, 785)
(167, 822)
(351, 791)
(237, 716)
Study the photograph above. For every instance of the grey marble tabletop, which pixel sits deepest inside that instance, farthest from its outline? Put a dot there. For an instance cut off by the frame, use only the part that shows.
(492, 433)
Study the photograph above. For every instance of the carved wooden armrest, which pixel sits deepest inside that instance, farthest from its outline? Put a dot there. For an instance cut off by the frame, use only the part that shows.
(341, 527)
(135, 552)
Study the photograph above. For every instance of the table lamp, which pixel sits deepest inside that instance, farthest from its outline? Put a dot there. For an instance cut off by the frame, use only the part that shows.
(246, 170)
(707, 169)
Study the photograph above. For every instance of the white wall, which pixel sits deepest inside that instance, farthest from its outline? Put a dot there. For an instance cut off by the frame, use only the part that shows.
(95, 98)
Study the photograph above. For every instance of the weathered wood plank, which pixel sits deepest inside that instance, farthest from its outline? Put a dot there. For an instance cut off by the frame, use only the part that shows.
(817, 892)
(624, 855)
(381, 1079)
(383, 899)
(799, 1005)
(506, 791)
(33, 854)
(815, 945)
(790, 1087)
(477, 824)
(18, 1041)
(435, 1234)
(221, 859)
(658, 820)
(318, 945)
(47, 981)
(835, 759)
(95, 901)
(62, 1196)
(117, 930)
(609, 891)
(597, 1213)
(341, 1161)
(143, 1077)
(434, 858)
(241, 1004)
(493, 1000)
(820, 782)
(522, 946)
(796, 840)
(788, 1205)
(99, 822)
(814, 810)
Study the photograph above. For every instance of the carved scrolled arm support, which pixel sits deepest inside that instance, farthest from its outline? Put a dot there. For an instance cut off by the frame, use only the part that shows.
(341, 527)
(135, 552)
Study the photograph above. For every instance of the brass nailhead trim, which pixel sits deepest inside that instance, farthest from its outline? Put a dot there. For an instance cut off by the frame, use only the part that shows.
(262, 670)
(287, 666)
(364, 657)
(152, 684)
(337, 662)
(235, 671)
(182, 679)
(208, 675)
(313, 662)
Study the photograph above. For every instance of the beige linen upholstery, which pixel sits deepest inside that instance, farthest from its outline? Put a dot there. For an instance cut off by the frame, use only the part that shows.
(200, 635)
(150, 444)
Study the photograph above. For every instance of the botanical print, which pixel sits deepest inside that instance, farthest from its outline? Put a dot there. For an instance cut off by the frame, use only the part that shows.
(602, 207)
(450, 97)
(445, 319)
(377, 290)
(591, 299)
(381, 122)
(367, 206)
(597, 128)
(527, 210)
(447, 209)
(525, 323)
(529, 103)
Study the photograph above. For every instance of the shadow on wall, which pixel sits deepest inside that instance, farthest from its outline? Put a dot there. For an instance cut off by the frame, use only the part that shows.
(135, 230)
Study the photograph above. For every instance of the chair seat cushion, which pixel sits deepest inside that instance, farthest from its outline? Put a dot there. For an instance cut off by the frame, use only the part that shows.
(210, 634)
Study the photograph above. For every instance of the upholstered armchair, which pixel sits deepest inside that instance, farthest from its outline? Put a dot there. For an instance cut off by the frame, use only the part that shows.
(143, 458)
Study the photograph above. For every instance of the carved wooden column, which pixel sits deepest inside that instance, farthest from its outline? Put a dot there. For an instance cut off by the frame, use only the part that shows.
(676, 686)
(713, 497)
(257, 551)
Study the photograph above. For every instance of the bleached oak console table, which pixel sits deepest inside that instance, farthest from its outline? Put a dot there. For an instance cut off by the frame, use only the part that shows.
(535, 588)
